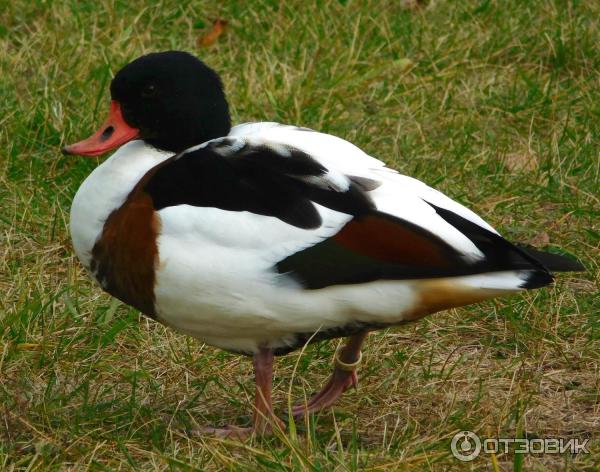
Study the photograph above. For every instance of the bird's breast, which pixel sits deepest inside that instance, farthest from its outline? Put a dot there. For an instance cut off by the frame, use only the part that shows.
(125, 256)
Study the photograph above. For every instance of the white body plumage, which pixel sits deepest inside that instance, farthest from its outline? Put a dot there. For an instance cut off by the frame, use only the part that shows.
(215, 277)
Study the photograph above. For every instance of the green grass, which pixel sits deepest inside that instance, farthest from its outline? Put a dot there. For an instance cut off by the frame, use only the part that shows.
(496, 103)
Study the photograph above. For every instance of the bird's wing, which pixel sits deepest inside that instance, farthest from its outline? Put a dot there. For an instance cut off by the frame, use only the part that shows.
(323, 213)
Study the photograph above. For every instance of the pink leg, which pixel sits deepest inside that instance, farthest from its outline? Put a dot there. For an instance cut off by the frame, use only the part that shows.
(341, 379)
(264, 418)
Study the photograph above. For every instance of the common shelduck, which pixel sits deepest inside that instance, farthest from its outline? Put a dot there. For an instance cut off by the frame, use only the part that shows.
(261, 238)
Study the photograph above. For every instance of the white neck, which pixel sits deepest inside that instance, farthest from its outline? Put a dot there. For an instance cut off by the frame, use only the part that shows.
(105, 190)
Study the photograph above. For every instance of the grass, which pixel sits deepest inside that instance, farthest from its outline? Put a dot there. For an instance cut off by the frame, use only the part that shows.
(495, 103)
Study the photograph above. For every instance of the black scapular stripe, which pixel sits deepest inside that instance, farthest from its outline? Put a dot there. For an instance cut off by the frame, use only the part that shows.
(257, 179)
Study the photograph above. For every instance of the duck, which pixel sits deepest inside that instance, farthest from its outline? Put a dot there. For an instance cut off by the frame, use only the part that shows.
(262, 238)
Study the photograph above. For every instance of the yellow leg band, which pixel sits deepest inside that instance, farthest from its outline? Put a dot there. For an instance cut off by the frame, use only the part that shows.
(340, 364)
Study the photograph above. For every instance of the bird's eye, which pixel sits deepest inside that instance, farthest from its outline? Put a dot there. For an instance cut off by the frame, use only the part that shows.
(149, 91)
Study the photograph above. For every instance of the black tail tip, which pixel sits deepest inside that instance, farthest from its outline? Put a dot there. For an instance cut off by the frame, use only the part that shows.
(554, 262)
(537, 279)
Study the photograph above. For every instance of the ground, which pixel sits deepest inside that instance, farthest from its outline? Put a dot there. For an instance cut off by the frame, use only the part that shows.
(496, 103)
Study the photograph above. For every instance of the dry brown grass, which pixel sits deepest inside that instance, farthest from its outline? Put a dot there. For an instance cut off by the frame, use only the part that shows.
(445, 92)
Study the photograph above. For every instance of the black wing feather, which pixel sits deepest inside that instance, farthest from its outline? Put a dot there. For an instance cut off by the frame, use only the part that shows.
(257, 179)
(286, 183)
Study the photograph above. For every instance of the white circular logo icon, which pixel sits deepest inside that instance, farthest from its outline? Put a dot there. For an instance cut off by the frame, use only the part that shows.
(465, 446)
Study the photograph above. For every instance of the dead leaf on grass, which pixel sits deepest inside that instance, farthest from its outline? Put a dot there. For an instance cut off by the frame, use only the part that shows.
(581, 285)
(404, 65)
(412, 4)
(521, 162)
(218, 27)
(540, 240)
